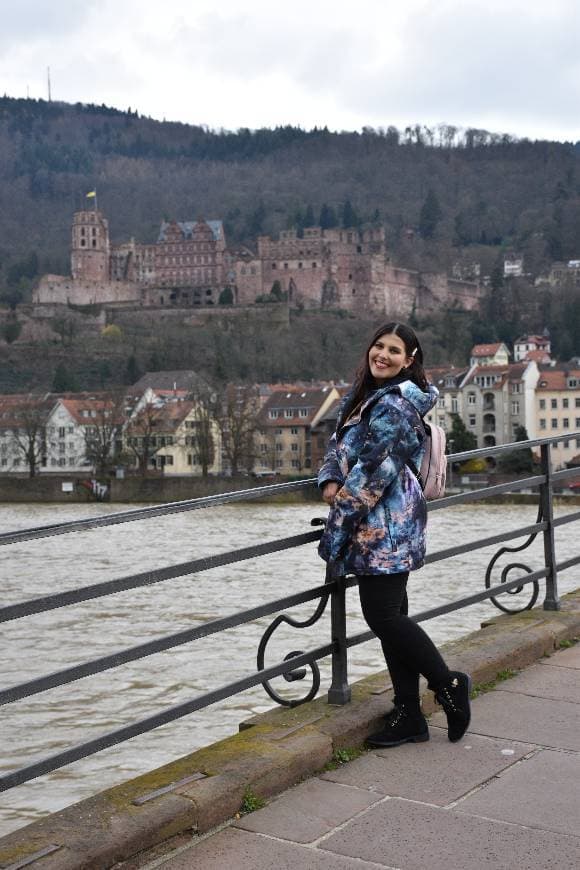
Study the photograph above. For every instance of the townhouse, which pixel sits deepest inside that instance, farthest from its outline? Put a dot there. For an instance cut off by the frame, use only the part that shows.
(557, 407)
(285, 425)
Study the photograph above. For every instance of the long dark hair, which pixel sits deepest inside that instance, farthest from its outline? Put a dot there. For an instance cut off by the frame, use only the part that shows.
(363, 379)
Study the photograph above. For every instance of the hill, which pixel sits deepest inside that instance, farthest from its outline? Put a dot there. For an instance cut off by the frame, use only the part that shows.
(443, 195)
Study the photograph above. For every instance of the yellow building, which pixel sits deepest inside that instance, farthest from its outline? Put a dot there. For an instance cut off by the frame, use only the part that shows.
(558, 411)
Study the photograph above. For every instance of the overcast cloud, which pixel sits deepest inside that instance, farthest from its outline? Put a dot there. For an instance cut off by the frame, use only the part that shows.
(506, 65)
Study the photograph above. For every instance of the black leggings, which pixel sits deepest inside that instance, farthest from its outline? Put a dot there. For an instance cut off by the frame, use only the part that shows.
(408, 650)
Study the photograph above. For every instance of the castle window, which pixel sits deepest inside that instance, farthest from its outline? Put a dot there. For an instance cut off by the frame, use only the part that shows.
(299, 265)
(82, 243)
(314, 265)
(82, 231)
(350, 277)
(359, 249)
(353, 292)
(285, 265)
(274, 266)
(94, 231)
(94, 243)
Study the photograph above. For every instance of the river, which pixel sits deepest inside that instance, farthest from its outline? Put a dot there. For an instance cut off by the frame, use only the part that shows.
(45, 723)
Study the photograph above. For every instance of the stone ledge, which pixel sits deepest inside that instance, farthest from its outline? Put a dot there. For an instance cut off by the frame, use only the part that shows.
(271, 753)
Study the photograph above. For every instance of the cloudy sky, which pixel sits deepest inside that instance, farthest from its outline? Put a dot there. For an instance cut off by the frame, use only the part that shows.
(504, 65)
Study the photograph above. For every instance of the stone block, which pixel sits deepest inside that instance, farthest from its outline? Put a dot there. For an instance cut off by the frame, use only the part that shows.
(437, 772)
(413, 836)
(308, 811)
(541, 792)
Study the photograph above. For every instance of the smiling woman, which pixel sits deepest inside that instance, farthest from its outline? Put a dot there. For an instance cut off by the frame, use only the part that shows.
(376, 526)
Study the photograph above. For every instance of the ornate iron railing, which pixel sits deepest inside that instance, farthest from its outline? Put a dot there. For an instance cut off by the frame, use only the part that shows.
(294, 666)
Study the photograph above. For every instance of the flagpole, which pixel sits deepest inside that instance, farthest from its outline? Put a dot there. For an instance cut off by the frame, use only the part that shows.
(96, 199)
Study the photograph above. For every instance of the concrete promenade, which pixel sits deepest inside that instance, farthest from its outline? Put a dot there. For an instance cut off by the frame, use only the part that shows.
(507, 795)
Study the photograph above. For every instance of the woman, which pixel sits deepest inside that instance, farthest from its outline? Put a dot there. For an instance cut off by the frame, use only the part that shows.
(376, 526)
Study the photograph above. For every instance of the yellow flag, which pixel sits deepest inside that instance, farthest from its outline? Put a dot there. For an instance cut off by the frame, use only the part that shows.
(91, 194)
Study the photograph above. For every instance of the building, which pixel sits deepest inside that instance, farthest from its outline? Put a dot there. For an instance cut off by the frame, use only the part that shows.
(557, 407)
(498, 399)
(452, 400)
(536, 347)
(285, 425)
(185, 267)
(190, 265)
(489, 354)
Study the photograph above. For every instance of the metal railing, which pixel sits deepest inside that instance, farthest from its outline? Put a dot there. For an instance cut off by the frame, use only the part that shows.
(293, 666)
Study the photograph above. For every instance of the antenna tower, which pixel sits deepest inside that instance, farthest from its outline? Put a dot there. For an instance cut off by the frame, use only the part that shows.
(48, 81)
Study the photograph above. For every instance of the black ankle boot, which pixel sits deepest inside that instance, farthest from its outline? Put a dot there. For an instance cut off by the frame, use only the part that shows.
(454, 698)
(401, 726)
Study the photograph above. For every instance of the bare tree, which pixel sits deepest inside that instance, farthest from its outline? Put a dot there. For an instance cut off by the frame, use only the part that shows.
(29, 431)
(103, 443)
(141, 435)
(203, 435)
(237, 418)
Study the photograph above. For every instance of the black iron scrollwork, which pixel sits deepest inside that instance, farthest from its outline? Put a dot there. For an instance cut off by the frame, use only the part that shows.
(299, 673)
(521, 566)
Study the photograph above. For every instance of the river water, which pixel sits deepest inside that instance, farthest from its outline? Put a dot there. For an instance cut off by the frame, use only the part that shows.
(47, 642)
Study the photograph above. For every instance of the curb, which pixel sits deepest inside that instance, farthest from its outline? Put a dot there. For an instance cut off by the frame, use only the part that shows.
(272, 752)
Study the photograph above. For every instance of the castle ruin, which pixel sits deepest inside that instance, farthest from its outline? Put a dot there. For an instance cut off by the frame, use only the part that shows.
(190, 265)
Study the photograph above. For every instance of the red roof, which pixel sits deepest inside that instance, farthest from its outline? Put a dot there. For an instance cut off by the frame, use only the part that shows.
(486, 349)
(557, 379)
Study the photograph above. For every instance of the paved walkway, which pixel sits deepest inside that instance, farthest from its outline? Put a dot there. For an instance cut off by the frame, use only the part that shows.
(507, 795)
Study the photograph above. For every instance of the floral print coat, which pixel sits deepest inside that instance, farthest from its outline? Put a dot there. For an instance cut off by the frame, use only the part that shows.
(377, 523)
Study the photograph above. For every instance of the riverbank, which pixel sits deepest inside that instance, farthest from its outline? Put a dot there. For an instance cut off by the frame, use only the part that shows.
(79, 489)
(191, 796)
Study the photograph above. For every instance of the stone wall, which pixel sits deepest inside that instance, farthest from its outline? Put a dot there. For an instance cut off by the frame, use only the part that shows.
(56, 289)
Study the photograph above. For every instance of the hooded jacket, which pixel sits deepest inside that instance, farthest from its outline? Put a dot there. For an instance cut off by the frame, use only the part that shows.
(377, 522)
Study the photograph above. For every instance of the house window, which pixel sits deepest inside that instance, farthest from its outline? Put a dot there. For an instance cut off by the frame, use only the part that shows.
(441, 402)
(278, 448)
(263, 448)
(279, 463)
(472, 419)
(577, 403)
(288, 412)
(61, 431)
(566, 423)
(577, 422)
(554, 423)
(304, 412)
(295, 463)
(515, 407)
(454, 405)
(565, 403)
(294, 447)
(471, 399)
(553, 404)
(542, 404)
(278, 431)
(273, 414)
(542, 422)
(294, 430)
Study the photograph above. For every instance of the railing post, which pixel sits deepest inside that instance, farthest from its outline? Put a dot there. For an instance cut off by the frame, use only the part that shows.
(551, 601)
(339, 692)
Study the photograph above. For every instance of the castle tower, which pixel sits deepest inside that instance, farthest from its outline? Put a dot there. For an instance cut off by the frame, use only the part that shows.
(90, 253)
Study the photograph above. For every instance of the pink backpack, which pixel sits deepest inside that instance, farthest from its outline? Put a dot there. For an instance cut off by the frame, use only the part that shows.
(433, 471)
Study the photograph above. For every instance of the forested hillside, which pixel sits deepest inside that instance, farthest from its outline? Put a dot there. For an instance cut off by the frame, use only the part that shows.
(465, 194)
(446, 198)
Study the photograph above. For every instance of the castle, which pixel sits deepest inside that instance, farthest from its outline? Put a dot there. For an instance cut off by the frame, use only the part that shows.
(191, 265)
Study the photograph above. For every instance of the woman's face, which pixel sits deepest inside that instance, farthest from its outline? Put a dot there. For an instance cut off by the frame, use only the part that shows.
(387, 357)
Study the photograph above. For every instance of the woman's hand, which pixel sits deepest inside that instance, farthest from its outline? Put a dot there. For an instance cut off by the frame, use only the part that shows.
(329, 491)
